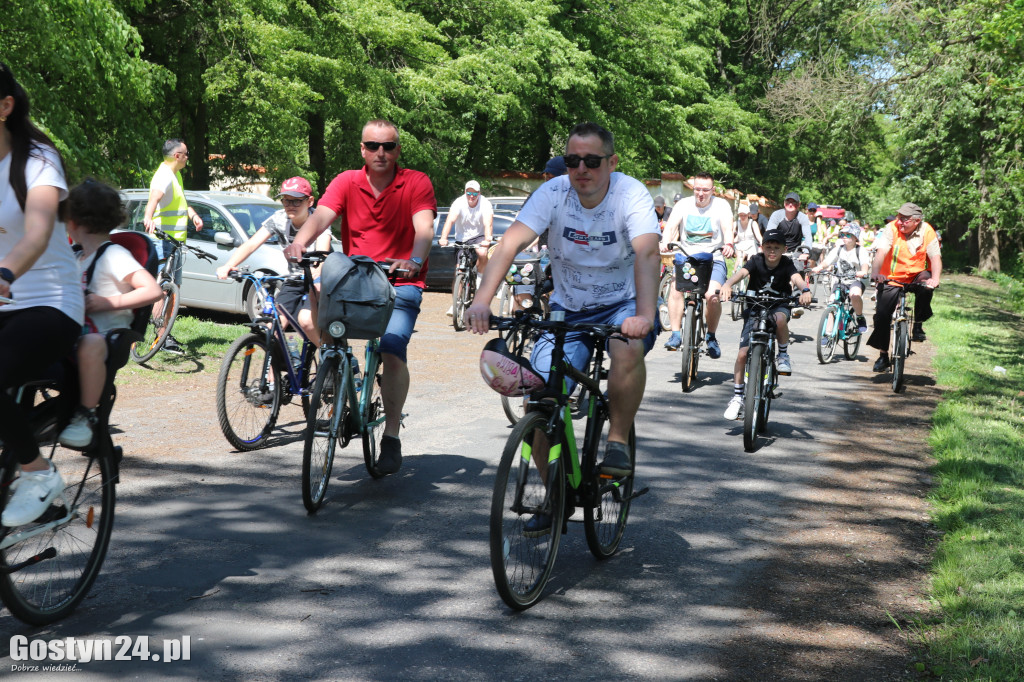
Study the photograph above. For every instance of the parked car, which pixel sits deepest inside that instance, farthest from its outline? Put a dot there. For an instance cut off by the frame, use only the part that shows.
(441, 266)
(510, 205)
(229, 218)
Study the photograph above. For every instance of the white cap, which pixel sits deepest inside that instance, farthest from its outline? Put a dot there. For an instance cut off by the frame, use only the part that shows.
(473, 185)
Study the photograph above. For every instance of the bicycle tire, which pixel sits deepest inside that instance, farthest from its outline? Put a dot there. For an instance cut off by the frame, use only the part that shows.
(605, 522)
(159, 326)
(689, 348)
(737, 309)
(899, 355)
(825, 344)
(459, 293)
(851, 344)
(522, 564)
(752, 398)
(373, 424)
(505, 300)
(322, 432)
(246, 408)
(767, 391)
(664, 291)
(307, 380)
(50, 590)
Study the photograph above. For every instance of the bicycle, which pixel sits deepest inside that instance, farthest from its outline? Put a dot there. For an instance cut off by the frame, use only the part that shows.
(343, 405)
(838, 323)
(695, 330)
(48, 566)
(522, 559)
(260, 371)
(902, 322)
(464, 286)
(665, 286)
(761, 374)
(165, 311)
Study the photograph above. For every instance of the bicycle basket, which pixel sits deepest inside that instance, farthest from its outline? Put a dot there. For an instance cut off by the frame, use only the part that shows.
(525, 270)
(356, 291)
(507, 373)
(693, 273)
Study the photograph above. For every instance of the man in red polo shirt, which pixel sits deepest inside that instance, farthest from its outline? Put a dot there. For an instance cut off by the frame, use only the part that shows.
(388, 215)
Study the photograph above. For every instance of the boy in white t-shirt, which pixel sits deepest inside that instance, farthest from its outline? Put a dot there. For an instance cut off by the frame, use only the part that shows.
(852, 263)
(119, 285)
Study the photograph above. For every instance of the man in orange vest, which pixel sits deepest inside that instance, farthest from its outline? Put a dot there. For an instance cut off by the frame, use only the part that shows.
(907, 252)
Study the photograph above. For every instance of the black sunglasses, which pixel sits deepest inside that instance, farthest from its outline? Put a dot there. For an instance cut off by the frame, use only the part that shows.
(374, 146)
(590, 160)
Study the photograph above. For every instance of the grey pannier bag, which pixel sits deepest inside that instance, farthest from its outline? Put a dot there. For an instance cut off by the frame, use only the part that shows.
(356, 291)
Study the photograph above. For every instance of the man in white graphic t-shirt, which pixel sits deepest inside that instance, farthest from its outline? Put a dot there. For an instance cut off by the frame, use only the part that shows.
(603, 240)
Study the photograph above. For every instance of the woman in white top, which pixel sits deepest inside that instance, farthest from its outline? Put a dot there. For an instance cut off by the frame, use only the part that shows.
(748, 235)
(38, 271)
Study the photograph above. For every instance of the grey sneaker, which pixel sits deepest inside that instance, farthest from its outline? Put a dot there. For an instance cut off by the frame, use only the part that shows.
(390, 460)
(616, 460)
(783, 365)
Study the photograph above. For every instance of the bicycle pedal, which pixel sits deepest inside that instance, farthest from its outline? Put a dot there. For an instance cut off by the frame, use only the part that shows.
(776, 394)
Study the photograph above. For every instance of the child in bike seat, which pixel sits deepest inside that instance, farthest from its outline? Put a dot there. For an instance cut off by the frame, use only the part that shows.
(118, 285)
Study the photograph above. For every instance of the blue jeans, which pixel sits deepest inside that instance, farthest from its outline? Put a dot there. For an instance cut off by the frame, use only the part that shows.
(579, 346)
(403, 319)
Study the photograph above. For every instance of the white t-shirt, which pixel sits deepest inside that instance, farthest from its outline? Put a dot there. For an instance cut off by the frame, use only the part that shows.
(745, 239)
(701, 229)
(848, 262)
(280, 225)
(469, 220)
(53, 279)
(108, 279)
(591, 248)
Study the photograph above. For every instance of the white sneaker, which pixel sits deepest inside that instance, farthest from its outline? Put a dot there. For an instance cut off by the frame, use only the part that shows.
(783, 365)
(798, 312)
(735, 409)
(33, 493)
(451, 311)
(78, 434)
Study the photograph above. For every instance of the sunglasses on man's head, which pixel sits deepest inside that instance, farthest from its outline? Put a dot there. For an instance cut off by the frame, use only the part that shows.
(590, 160)
(472, 194)
(374, 146)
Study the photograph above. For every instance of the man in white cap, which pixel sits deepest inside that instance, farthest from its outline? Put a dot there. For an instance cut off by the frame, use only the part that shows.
(473, 219)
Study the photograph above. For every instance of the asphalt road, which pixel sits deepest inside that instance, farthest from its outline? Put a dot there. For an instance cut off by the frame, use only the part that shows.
(391, 580)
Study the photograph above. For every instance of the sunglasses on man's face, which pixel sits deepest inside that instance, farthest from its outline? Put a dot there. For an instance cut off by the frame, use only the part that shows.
(374, 146)
(472, 194)
(590, 160)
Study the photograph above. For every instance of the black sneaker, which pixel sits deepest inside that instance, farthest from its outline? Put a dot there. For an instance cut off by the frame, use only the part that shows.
(171, 345)
(881, 364)
(862, 324)
(917, 335)
(390, 460)
(616, 460)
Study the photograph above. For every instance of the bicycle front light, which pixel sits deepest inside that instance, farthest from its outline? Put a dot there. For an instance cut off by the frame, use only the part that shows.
(336, 329)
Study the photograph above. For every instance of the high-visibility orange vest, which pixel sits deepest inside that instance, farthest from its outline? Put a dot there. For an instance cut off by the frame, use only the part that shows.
(902, 265)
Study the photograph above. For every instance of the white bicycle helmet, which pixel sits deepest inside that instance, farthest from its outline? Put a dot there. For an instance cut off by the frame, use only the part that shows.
(506, 373)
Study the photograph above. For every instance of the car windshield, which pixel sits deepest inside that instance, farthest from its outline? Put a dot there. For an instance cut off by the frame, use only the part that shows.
(251, 216)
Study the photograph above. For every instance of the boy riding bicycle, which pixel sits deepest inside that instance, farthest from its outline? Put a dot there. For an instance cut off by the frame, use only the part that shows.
(772, 268)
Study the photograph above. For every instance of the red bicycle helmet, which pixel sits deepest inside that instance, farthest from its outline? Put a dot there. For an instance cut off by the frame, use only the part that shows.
(508, 374)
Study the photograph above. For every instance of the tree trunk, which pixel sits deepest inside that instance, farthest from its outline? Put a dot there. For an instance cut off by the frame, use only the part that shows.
(988, 238)
(988, 248)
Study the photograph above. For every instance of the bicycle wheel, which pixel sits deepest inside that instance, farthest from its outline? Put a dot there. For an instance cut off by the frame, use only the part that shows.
(373, 424)
(307, 380)
(460, 294)
(851, 344)
(522, 560)
(75, 530)
(828, 334)
(737, 307)
(248, 392)
(753, 397)
(328, 410)
(771, 377)
(159, 324)
(689, 348)
(605, 521)
(505, 300)
(899, 354)
(668, 282)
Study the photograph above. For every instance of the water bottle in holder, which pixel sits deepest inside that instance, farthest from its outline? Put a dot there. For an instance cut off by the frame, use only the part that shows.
(357, 378)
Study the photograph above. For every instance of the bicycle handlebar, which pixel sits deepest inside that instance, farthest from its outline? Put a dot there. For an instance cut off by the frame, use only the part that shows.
(195, 251)
(521, 318)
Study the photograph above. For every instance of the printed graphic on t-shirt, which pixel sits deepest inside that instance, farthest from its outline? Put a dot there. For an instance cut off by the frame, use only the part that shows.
(579, 237)
(699, 229)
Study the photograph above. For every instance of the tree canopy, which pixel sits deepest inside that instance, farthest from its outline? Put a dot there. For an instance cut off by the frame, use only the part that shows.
(862, 104)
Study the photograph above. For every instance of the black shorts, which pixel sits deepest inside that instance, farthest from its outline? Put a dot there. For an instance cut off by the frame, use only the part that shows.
(292, 297)
(748, 322)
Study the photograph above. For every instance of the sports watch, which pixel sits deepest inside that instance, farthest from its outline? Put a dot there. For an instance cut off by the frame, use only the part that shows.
(7, 275)
(417, 260)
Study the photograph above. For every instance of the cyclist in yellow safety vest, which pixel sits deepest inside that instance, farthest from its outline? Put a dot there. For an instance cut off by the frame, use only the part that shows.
(168, 210)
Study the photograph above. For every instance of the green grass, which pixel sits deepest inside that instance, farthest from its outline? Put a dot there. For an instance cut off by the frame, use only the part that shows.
(205, 336)
(978, 440)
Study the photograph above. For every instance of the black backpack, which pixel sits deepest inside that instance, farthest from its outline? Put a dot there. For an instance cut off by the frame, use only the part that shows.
(356, 291)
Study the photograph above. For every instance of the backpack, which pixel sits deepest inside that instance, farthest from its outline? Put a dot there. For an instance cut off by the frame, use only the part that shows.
(355, 290)
(143, 250)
